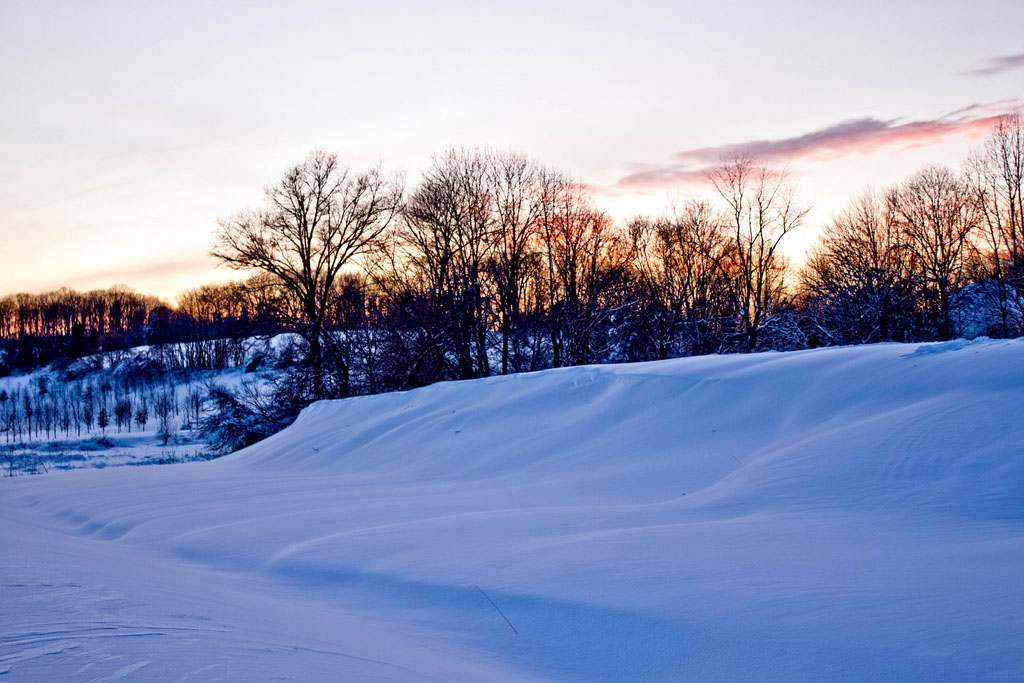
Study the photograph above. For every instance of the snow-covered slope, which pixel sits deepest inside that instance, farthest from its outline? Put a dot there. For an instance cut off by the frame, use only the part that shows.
(853, 513)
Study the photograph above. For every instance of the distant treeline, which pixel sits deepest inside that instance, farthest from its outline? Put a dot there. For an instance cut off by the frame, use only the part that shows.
(58, 326)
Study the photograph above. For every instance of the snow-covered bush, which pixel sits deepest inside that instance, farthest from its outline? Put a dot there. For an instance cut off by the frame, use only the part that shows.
(236, 419)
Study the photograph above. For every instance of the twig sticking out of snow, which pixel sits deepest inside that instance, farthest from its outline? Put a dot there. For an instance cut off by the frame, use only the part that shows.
(499, 610)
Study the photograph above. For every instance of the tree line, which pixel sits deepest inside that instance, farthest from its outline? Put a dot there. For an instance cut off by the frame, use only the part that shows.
(494, 263)
(202, 331)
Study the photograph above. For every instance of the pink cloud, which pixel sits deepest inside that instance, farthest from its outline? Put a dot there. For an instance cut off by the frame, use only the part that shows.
(856, 136)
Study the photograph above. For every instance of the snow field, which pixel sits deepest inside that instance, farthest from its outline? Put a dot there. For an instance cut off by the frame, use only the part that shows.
(843, 514)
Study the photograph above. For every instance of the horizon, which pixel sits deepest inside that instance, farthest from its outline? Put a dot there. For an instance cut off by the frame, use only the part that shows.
(129, 131)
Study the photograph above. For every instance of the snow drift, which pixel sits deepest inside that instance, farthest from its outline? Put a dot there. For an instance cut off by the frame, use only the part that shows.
(848, 513)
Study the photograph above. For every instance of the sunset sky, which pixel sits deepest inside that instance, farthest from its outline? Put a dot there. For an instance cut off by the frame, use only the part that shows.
(128, 128)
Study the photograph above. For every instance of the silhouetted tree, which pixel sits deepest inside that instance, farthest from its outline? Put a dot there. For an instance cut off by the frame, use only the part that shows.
(935, 210)
(761, 210)
(445, 244)
(515, 258)
(585, 258)
(859, 285)
(996, 178)
(315, 221)
(683, 301)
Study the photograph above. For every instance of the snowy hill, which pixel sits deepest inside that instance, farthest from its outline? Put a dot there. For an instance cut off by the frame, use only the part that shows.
(843, 514)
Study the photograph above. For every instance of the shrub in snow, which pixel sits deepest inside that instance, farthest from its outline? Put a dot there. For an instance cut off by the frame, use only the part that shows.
(234, 420)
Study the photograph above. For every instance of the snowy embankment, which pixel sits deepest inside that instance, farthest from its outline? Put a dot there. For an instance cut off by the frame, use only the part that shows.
(853, 513)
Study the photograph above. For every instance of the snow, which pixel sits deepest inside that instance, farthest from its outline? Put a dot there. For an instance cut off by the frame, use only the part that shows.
(841, 514)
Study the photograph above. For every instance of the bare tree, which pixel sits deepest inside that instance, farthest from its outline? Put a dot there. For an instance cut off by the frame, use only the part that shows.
(936, 211)
(166, 429)
(10, 458)
(996, 177)
(123, 414)
(446, 243)
(761, 211)
(515, 183)
(585, 258)
(369, 331)
(142, 416)
(6, 421)
(316, 220)
(165, 405)
(858, 283)
(684, 296)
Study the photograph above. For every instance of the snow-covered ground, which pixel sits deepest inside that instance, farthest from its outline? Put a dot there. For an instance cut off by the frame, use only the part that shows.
(842, 514)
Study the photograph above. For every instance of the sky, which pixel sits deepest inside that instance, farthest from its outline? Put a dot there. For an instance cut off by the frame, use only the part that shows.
(127, 129)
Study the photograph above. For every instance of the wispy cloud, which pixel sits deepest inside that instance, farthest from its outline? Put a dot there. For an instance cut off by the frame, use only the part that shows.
(856, 136)
(997, 65)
